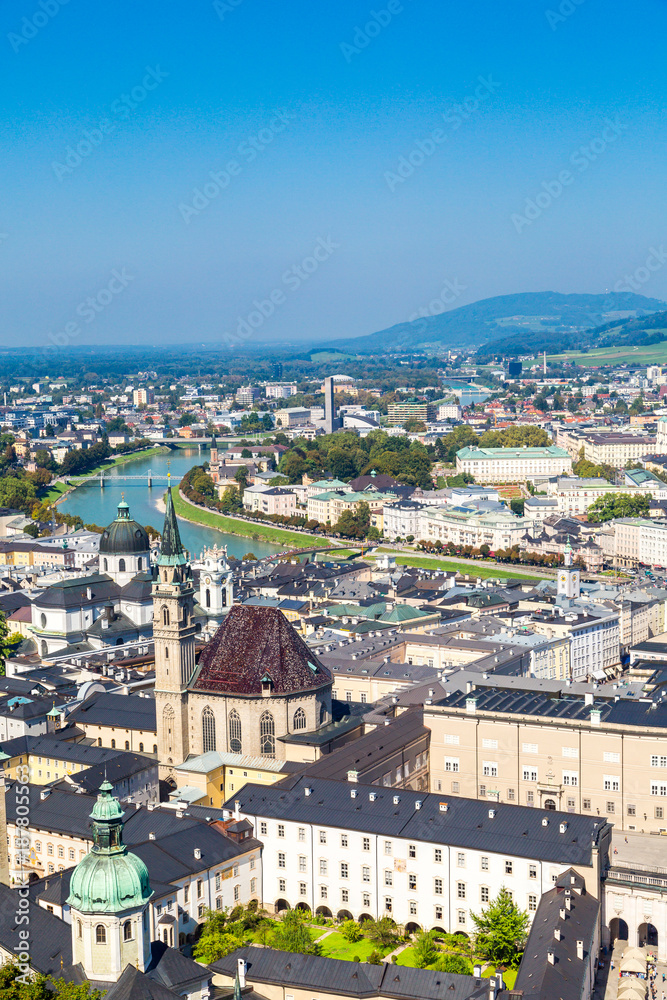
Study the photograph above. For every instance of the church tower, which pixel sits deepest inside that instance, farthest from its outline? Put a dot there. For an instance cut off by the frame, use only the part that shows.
(109, 895)
(569, 582)
(216, 584)
(174, 638)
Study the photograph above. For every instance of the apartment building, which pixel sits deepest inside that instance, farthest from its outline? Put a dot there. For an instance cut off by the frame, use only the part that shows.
(574, 496)
(143, 397)
(640, 541)
(617, 449)
(247, 395)
(277, 390)
(512, 465)
(327, 507)
(353, 851)
(292, 416)
(554, 752)
(399, 413)
(498, 529)
(594, 638)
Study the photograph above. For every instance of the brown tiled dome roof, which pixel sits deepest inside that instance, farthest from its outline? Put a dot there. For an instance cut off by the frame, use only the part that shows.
(253, 644)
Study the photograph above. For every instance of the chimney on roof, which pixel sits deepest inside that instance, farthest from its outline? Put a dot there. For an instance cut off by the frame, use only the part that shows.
(551, 957)
(580, 950)
(197, 853)
(241, 970)
(568, 902)
(557, 934)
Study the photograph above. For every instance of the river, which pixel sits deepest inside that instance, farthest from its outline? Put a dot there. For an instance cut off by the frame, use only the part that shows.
(98, 506)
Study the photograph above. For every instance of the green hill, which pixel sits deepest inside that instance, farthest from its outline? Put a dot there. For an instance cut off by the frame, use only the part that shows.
(514, 323)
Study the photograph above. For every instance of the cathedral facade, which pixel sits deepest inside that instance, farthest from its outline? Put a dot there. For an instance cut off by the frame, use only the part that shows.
(253, 683)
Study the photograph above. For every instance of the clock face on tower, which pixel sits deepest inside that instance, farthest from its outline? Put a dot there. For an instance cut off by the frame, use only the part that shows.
(207, 580)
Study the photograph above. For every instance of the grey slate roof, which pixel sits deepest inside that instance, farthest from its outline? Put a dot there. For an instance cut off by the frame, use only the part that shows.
(50, 937)
(123, 711)
(354, 979)
(514, 830)
(567, 977)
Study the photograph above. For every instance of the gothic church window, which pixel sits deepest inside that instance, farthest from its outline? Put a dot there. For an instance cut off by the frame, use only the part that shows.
(299, 719)
(165, 616)
(208, 730)
(267, 735)
(235, 741)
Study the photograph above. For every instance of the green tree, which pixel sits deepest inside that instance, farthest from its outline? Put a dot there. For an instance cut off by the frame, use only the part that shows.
(187, 419)
(458, 964)
(501, 930)
(382, 932)
(18, 494)
(291, 934)
(230, 501)
(241, 477)
(425, 950)
(612, 505)
(351, 931)
(341, 464)
(41, 987)
(516, 505)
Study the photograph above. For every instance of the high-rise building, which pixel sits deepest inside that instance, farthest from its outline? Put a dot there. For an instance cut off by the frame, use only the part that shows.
(276, 370)
(331, 422)
(247, 395)
(143, 397)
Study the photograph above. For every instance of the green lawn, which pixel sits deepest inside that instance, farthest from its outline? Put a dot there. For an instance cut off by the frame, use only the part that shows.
(471, 568)
(649, 354)
(406, 957)
(336, 946)
(234, 526)
(509, 975)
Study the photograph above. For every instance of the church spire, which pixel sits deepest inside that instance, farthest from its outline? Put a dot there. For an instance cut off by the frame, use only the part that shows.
(172, 552)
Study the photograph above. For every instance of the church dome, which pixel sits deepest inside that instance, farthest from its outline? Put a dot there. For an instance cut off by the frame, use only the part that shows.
(109, 879)
(124, 536)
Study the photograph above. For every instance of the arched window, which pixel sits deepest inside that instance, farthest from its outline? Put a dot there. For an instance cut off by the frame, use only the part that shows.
(208, 729)
(106, 565)
(127, 930)
(299, 719)
(155, 748)
(100, 934)
(235, 741)
(43, 621)
(140, 563)
(208, 598)
(166, 653)
(141, 748)
(165, 615)
(79, 929)
(267, 735)
(99, 741)
(224, 597)
(127, 744)
(113, 744)
(121, 565)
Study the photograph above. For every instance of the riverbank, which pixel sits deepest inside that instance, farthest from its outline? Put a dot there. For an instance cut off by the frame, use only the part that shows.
(61, 487)
(470, 567)
(247, 529)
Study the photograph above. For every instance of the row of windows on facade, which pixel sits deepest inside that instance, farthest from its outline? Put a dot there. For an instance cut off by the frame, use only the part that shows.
(50, 849)
(461, 857)
(484, 897)
(389, 873)
(101, 931)
(127, 745)
(586, 803)
(267, 729)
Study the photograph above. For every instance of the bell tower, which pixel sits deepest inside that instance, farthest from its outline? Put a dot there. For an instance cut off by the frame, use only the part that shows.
(109, 895)
(174, 639)
(569, 583)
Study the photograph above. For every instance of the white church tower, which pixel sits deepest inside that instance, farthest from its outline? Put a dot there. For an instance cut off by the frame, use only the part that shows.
(569, 581)
(216, 586)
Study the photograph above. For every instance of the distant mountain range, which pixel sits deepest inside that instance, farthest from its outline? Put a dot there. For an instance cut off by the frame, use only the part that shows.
(522, 323)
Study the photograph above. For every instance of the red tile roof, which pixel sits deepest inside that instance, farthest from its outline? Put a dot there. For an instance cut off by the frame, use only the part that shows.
(253, 643)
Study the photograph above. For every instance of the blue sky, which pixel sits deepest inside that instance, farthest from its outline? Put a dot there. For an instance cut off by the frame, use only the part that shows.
(115, 114)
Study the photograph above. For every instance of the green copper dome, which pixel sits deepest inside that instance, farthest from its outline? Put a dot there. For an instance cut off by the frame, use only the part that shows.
(110, 879)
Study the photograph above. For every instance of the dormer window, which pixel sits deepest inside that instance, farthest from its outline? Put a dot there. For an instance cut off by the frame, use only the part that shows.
(267, 684)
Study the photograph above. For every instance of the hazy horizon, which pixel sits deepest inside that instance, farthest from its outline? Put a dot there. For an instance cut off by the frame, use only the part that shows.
(169, 174)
